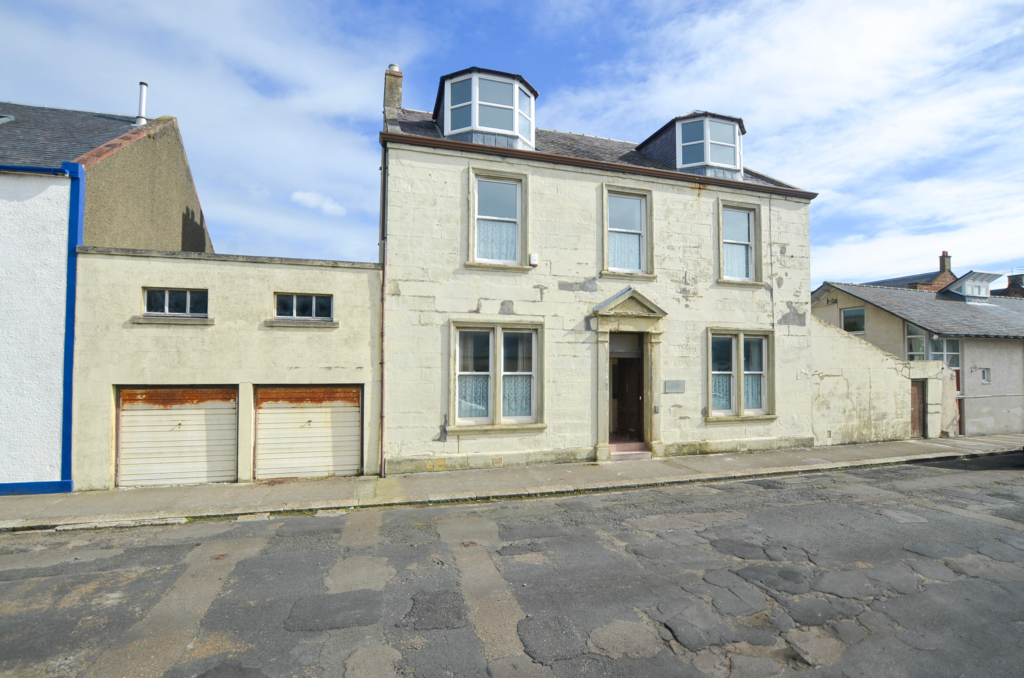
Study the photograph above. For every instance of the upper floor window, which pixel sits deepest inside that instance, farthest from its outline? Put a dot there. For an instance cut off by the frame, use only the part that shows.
(738, 245)
(915, 343)
(498, 222)
(627, 233)
(304, 306)
(176, 302)
(489, 103)
(708, 142)
(853, 320)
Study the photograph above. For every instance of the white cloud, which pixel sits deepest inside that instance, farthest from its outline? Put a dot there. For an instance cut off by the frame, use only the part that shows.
(318, 201)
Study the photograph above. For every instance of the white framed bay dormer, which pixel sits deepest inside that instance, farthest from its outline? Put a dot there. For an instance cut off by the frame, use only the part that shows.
(709, 141)
(489, 102)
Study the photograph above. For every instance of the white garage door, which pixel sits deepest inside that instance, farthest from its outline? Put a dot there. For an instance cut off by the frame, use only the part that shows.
(308, 431)
(177, 436)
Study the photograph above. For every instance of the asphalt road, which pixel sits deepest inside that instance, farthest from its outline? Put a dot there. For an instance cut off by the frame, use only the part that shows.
(913, 570)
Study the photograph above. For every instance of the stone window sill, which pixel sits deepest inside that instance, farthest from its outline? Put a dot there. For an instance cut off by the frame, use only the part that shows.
(295, 322)
(484, 429)
(623, 275)
(734, 418)
(484, 266)
(752, 284)
(170, 320)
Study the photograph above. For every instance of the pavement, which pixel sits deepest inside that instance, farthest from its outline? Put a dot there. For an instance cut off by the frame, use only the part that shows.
(178, 504)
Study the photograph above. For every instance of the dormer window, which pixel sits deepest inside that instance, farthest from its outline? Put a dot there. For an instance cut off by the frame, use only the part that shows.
(708, 141)
(490, 103)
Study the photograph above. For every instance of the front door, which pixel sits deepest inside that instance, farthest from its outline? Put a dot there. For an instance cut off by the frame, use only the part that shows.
(627, 374)
(917, 408)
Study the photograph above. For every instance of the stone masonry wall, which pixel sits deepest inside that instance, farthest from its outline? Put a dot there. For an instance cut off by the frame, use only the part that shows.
(429, 288)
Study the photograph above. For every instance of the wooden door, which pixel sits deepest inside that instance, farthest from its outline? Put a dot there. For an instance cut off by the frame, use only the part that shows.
(631, 391)
(917, 408)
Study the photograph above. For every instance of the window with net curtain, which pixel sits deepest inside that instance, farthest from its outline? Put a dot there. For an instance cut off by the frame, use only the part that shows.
(751, 353)
(517, 379)
(474, 375)
(753, 374)
(737, 244)
(497, 221)
(722, 374)
(626, 233)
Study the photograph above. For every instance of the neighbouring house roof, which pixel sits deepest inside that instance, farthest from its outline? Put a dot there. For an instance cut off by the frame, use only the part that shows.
(907, 280)
(942, 313)
(579, 146)
(39, 136)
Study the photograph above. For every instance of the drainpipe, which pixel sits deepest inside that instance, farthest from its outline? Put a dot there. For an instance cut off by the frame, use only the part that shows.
(383, 291)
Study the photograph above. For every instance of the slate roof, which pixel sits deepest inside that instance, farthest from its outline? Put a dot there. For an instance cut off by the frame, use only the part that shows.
(906, 280)
(421, 124)
(943, 313)
(45, 137)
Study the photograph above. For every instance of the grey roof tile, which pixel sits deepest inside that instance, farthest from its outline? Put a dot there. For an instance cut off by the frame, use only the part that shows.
(906, 280)
(421, 124)
(944, 313)
(45, 137)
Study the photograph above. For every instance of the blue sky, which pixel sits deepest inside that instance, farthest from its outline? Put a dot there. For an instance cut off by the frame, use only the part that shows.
(905, 117)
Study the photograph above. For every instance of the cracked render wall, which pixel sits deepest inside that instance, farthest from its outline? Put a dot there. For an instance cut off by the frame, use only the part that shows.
(429, 288)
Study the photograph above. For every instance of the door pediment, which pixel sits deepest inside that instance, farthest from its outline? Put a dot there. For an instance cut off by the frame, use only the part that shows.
(629, 304)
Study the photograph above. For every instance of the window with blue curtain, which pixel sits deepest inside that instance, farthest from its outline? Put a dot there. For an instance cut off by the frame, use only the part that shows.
(497, 221)
(626, 233)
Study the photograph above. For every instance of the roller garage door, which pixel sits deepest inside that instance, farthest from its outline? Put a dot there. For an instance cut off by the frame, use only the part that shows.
(177, 436)
(308, 431)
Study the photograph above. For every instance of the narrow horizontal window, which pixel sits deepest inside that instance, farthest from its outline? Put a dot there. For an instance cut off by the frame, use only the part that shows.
(176, 302)
(304, 306)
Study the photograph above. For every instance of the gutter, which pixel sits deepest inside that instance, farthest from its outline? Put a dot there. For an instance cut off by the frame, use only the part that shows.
(76, 225)
(464, 147)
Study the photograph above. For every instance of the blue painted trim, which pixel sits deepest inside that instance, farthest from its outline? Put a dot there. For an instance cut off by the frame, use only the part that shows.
(47, 487)
(35, 170)
(76, 230)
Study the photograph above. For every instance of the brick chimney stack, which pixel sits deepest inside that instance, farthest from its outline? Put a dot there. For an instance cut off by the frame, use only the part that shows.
(945, 261)
(392, 87)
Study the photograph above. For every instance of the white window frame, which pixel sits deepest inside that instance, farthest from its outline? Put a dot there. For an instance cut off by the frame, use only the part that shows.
(496, 375)
(864, 313)
(763, 373)
(167, 301)
(643, 230)
(312, 318)
(738, 408)
(532, 417)
(733, 391)
(753, 245)
(475, 105)
(518, 221)
(944, 354)
(737, 144)
(907, 334)
(490, 376)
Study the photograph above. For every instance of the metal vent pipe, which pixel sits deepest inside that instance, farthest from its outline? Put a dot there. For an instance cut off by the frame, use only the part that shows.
(141, 120)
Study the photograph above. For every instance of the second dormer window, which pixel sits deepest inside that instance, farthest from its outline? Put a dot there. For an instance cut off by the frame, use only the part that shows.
(708, 142)
(489, 103)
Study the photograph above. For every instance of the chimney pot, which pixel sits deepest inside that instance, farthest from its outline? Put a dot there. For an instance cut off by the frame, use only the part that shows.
(141, 119)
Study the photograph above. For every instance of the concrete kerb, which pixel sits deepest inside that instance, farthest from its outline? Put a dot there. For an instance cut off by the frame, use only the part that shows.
(306, 508)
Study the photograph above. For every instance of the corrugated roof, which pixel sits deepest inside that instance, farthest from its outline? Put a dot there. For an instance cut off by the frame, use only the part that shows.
(943, 313)
(421, 124)
(45, 137)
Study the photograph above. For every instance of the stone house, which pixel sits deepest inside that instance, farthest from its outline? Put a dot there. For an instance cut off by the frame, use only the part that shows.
(978, 336)
(69, 178)
(1014, 287)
